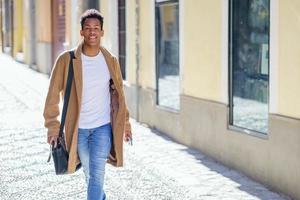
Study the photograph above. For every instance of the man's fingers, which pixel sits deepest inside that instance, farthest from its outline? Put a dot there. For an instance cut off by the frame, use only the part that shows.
(128, 137)
(53, 140)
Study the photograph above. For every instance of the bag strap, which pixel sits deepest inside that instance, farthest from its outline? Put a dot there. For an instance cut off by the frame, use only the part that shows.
(67, 94)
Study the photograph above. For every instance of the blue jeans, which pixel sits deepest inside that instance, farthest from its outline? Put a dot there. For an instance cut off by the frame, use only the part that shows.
(93, 149)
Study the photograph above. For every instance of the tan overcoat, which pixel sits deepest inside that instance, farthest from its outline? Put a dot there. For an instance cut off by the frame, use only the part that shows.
(119, 112)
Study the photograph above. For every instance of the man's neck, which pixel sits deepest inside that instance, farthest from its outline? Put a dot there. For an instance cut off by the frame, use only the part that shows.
(90, 51)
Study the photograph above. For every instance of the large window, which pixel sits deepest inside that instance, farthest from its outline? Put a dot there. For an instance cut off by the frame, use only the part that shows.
(249, 64)
(167, 53)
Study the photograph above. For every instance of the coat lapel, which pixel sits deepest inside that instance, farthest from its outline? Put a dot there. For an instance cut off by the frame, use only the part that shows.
(78, 78)
(77, 65)
(109, 61)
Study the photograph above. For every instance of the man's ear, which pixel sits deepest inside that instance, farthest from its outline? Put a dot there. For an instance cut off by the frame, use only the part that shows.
(81, 32)
(102, 33)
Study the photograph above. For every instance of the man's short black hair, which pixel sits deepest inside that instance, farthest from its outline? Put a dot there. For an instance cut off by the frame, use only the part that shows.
(91, 13)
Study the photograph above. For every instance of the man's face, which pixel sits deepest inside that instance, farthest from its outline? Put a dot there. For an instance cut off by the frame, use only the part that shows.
(91, 32)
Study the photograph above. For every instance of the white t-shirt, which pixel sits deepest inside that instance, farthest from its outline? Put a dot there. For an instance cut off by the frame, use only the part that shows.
(95, 105)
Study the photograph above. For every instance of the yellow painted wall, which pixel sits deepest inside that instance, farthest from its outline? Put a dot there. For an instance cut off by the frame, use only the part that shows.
(109, 10)
(202, 49)
(43, 21)
(131, 41)
(18, 27)
(289, 58)
(147, 44)
(104, 5)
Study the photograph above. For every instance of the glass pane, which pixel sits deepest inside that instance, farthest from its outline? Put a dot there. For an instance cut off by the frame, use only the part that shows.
(250, 64)
(167, 54)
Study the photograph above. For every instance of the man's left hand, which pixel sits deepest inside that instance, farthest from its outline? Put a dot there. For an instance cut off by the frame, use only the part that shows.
(127, 136)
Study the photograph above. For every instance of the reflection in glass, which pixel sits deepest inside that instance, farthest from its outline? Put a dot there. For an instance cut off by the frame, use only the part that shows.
(167, 54)
(250, 64)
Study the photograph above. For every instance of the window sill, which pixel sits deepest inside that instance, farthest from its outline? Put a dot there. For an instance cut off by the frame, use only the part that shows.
(167, 109)
(249, 132)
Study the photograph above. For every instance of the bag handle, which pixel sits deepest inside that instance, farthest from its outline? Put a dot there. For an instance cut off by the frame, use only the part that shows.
(67, 94)
(66, 100)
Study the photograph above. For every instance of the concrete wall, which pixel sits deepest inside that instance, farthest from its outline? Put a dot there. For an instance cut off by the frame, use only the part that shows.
(273, 160)
(202, 121)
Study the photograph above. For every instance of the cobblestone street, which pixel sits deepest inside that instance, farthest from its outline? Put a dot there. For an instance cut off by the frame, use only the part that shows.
(155, 166)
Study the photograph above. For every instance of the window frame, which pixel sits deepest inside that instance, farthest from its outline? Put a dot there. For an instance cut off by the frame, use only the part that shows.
(159, 3)
(231, 126)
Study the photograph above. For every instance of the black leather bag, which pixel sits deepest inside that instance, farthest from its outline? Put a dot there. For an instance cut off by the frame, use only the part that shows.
(59, 153)
(60, 157)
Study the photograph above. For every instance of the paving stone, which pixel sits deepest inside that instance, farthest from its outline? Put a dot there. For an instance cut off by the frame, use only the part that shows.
(155, 166)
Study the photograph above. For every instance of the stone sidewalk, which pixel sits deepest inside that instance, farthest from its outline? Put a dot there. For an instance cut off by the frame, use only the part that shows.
(155, 166)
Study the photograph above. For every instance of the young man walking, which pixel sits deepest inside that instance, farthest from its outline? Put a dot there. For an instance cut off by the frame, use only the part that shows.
(97, 119)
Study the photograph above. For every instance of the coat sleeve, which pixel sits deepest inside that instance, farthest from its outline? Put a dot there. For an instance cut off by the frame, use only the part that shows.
(51, 109)
(120, 80)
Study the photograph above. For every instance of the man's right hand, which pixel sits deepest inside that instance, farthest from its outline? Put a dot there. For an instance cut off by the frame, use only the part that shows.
(52, 140)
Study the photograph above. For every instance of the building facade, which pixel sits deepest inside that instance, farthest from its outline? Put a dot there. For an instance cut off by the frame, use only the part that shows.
(36, 32)
(220, 76)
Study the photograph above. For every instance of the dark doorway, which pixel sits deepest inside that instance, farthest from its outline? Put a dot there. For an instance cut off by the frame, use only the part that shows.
(122, 35)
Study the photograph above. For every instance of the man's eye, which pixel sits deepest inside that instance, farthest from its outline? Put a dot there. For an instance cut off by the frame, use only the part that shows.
(90, 29)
